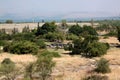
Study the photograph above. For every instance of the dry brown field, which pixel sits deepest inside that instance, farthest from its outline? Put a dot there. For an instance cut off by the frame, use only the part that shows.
(74, 67)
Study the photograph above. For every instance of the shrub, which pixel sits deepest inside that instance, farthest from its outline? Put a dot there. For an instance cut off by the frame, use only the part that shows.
(44, 66)
(41, 44)
(7, 61)
(21, 47)
(9, 21)
(95, 49)
(50, 54)
(103, 66)
(8, 70)
(2, 42)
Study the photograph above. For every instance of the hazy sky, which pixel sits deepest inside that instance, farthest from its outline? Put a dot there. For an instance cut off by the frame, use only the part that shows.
(68, 8)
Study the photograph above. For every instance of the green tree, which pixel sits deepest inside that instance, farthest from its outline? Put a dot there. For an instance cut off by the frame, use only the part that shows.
(95, 49)
(103, 66)
(45, 28)
(77, 48)
(90, 30)
(9, 21)
(78, 30)
(75, 29)
(54, 36)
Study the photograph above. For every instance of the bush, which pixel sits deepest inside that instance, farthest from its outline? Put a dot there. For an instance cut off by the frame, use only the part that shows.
(3, 42)
(7, 61)
(41, 44)
(95, 49)
(21, 47)
(50, 54)
(44, 66)
(8, 70)
(103, 66)
(9, 21)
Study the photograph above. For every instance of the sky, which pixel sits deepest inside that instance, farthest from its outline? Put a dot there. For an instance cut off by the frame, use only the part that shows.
(63, 8)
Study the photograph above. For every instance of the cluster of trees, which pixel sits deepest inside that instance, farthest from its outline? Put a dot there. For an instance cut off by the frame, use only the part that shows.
(78, 30)
(88, 47)
(85, 41)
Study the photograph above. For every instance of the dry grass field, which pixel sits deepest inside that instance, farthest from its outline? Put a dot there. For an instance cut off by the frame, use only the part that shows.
(74, 67)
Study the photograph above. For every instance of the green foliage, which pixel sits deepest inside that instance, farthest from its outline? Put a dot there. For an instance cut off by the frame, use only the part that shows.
(9, 21)
(52, 36)
(44, 66)
(47, 27)
(41, 43)
(5, 36)
(50, 54)
(23, 36)
(78, 30)
(71, 37)
(90, 30)
(7, 61)
(103, 66)
(3, 42)
(77, 49)
(22, 47)
(95, 49)
(88, 47)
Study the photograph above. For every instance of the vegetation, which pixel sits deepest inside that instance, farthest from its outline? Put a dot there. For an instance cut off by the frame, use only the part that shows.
(29, 71)
(41, 43)
(51, 54)
(44, 67)
(77, 30)
(81, 41)
(103, 66)
(47, 27)
(95, 49)
(8, 69)
(21, 47)
(9, 21)
(88, 47)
